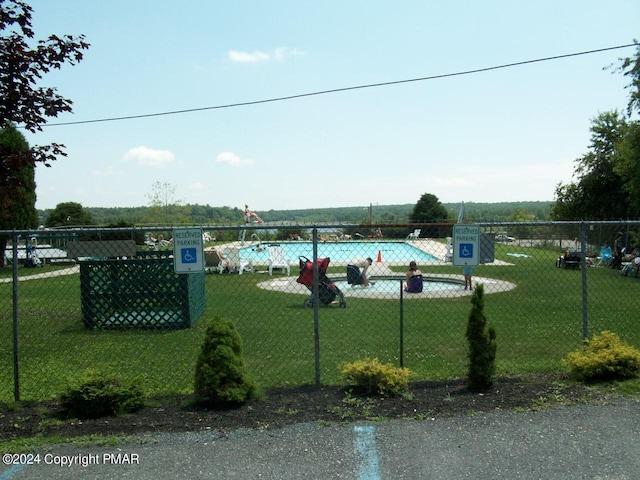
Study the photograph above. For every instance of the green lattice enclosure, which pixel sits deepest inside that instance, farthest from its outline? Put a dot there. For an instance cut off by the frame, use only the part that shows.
(139, 292)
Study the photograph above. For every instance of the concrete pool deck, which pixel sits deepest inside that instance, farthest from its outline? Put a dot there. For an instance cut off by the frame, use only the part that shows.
(454, 287)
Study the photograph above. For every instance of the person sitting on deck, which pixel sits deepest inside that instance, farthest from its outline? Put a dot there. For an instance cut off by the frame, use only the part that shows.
(414, 283)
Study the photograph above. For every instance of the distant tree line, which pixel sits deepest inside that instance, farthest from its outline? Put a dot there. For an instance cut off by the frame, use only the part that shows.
(74, 214)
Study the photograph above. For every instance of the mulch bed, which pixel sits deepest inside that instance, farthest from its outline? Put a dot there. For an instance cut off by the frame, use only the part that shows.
(281, 407)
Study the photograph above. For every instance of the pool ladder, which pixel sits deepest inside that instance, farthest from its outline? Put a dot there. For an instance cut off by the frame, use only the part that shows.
(242, 235)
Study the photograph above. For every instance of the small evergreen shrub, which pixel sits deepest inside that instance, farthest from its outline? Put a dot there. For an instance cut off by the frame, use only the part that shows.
(97, 395)
(221, 377)
(372, 377)
(482, 345)
(604, 357)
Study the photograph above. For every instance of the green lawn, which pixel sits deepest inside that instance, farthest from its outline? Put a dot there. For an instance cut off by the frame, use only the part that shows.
(537, 323)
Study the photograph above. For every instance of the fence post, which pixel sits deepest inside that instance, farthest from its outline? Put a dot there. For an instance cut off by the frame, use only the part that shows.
(583, 267)
(316, 307)
(16, 349)
(401, 324)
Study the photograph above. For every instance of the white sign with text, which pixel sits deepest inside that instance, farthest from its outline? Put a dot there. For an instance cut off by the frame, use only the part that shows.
(188, 250)
(466, 245)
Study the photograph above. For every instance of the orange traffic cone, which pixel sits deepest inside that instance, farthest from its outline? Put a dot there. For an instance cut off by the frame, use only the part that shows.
(379, 260)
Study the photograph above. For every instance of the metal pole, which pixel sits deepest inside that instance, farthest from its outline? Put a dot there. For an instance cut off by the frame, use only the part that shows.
(583, 267)
(401, 325)
(316, 307)
(16, 350)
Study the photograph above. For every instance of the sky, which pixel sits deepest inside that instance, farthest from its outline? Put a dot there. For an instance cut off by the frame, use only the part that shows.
(502, 135)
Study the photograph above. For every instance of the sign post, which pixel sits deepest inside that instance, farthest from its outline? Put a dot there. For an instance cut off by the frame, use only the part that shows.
(188, 250)
(466, 245)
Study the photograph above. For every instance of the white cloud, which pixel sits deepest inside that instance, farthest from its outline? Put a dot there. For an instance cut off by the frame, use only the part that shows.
(110, 171)
(279, 54)
(196, 186)
(246, 57)
(283, 52)
(149, 157)
(232, 159)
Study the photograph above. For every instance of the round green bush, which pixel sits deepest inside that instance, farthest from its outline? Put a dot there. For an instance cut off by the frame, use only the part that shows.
(97, 395)
(221, 377)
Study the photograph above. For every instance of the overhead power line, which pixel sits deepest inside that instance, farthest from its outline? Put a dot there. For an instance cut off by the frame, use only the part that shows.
(343, 89)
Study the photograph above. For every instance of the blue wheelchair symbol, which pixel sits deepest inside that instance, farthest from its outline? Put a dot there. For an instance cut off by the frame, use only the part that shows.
(466, 250)
(188, 255)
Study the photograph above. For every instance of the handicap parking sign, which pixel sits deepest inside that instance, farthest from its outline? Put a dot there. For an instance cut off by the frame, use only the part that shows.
(466, 241)
(466, 250)
(188, 251)
(189, 255)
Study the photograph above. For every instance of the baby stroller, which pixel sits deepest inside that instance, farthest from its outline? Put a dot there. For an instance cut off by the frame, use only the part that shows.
(327, 290)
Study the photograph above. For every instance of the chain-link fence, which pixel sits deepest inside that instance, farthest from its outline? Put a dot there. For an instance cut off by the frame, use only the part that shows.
(109, 299)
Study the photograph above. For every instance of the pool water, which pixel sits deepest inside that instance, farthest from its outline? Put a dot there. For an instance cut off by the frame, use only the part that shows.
(342, 252)
(382, 288)
(394, 286)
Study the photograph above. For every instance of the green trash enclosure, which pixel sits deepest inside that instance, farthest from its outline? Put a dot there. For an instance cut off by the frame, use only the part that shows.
(139, 292)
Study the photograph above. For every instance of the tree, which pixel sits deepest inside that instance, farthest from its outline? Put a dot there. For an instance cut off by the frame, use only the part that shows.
(607, 178)
(17, 186)
(165, 208)
(428, 210)
(482, 345)
(628, 165)
(221, 377)
(69, 214)
(22, 68)
(597, 193)
(630, 67)
(25, 104)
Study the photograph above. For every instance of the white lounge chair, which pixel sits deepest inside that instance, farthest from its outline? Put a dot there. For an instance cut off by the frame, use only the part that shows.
(278, 259)
(235, 262)
(448, 257)
(414, 235)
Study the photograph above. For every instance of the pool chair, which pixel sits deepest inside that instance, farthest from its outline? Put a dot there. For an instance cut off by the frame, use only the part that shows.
(632, 266)
(235, 263)
(570, 260)
(414, 235)
(606, 255)
(354, 277)
(213, 262)
(278, 259)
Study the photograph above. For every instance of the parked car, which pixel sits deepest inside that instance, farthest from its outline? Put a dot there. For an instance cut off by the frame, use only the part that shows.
(504, 238)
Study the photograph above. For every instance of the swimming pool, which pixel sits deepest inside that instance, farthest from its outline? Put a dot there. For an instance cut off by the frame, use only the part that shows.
(342, 252)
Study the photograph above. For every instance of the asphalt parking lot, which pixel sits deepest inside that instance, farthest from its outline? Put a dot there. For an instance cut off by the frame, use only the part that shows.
(575, 442)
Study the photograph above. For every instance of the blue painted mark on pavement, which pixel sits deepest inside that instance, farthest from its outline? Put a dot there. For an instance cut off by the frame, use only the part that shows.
(12, 471)
(367, 450)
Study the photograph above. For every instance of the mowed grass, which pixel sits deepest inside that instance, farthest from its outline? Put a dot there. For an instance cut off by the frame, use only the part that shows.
(537, 324)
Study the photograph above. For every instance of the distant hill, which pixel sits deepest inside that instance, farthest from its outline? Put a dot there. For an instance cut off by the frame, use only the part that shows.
(205, 214)
(485, 212)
